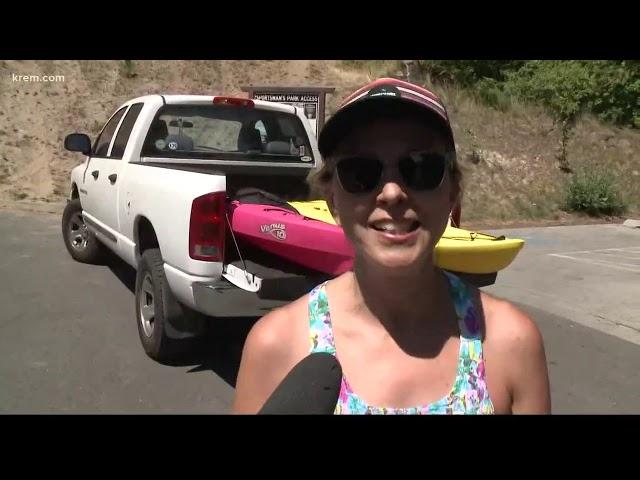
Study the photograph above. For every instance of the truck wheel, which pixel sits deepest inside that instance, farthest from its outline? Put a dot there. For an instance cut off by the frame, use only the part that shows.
(81, 243)
(158, 312)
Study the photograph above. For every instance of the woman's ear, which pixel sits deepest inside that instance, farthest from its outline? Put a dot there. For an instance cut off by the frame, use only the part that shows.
(330, 199)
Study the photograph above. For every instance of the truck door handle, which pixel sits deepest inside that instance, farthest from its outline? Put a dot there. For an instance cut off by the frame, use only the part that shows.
(112, 178)
(95, 174)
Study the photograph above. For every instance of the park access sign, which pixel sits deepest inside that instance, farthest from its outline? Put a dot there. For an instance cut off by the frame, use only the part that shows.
(311, 100)
(309, 103)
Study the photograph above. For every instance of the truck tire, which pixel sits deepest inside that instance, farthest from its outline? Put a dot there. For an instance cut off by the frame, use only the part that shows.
(81, 243)
(162, 321)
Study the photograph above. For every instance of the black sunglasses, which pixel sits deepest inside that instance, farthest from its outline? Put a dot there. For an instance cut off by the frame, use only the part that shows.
(420, 171)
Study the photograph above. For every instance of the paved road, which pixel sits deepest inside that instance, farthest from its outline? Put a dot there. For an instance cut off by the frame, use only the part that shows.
(589, 274)
(68, 339)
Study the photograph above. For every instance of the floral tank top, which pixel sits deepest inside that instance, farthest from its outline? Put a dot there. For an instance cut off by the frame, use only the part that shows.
(469, 394)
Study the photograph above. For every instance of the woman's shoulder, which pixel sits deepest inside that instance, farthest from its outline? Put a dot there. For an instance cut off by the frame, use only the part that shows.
(501, 320)
(512, 337)
(514, 347)
(284, 329)
(274, 334)
(505, 322)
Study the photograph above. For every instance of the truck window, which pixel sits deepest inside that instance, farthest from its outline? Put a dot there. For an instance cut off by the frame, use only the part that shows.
(226, 132)
(125, 131)
(101, 147)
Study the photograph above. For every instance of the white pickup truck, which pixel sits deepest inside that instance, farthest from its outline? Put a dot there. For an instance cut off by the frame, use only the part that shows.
(153, 189)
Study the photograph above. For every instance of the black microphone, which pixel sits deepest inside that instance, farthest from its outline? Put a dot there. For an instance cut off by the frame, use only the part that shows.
(311, 387)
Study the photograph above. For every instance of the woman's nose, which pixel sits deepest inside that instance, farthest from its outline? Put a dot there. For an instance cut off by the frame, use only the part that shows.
(392, 188)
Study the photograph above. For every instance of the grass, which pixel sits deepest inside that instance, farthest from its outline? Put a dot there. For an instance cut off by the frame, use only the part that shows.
(537, 210)
(375, 68)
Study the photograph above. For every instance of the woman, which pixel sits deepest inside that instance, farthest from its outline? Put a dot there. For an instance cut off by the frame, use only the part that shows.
(410, 338)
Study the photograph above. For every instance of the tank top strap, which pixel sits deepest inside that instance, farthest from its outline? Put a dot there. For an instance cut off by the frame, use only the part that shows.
(320, 330)
(468, 321)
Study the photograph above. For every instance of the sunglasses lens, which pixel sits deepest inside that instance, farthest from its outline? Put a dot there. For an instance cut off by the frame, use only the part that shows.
(359, 174)
(423, 171)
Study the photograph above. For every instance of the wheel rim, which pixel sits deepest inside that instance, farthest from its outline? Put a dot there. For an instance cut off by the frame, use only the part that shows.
(147, 309)
(78, 232)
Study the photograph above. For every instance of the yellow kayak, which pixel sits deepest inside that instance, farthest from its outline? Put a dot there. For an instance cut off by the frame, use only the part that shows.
(316, 209)
(464, 251)
(458, 250)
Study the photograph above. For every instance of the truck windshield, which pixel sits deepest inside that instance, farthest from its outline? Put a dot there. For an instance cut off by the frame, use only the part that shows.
(225, 131)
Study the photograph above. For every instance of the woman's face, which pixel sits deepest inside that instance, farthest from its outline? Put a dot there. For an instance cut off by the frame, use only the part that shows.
(393, 226)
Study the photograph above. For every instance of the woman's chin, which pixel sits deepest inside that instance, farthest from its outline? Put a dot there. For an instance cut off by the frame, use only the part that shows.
(400, 260)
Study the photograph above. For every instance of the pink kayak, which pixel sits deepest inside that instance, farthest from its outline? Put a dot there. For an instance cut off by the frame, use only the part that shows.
(310, 243)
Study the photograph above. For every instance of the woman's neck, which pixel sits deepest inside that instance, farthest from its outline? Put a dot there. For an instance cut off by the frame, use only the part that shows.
(399, 301)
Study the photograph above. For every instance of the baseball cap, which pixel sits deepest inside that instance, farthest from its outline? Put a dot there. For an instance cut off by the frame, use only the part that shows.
(380, 97)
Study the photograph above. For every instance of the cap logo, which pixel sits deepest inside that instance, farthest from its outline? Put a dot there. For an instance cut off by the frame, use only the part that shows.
(384, 91)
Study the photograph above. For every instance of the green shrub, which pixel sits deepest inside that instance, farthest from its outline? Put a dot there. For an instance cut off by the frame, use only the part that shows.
(128, 69)
(563, 87)
(610, 89)
(468, 72)
(593, 193)
(491, 93)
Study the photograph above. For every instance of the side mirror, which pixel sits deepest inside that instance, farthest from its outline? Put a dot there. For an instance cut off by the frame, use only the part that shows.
(78, 142)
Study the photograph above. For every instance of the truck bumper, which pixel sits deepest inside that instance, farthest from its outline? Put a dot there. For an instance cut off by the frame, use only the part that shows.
(223, 299)
(216, 296)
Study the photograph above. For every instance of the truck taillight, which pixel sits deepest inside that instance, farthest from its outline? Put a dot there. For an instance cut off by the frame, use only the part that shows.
(237, 102)
(207, 227)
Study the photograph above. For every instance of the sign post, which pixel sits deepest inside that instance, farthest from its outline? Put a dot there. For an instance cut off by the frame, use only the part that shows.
(310, 99)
